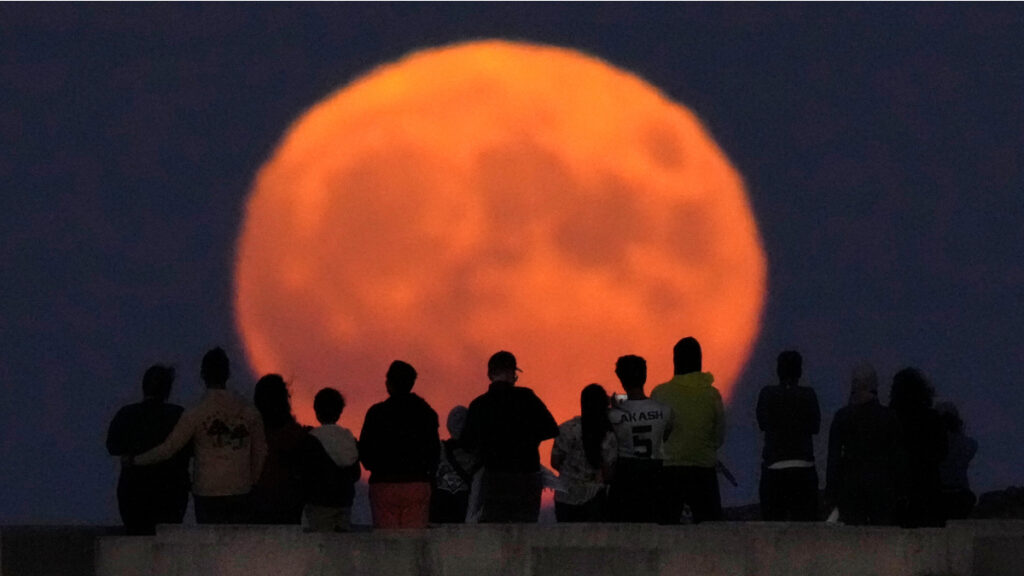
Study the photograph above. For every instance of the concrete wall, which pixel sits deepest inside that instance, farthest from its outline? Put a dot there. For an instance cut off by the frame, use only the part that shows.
(982, 548)
(49, 550)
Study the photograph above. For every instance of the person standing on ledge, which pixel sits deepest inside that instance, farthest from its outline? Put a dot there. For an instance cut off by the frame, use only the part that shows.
(689, 474)
(228, 445)
(400, 446)
(865, 455)
(150, 495)
(789, 416)
(641, 426)
(505, 427)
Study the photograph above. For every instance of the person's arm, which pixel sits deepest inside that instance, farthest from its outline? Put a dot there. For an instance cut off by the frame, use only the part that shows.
(609, 457)
(368, 440)
(719, 420)
(558, 451)
(762, 410)
(815, 425)
(547, 427)
(833, 469)
(433, 444)
(118, 443)
(179, 437)
(257, 447)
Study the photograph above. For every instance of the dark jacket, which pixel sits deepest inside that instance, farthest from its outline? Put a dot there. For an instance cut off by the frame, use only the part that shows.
(505, 426)
(789, 417)
(277, 496)
(399, 440)
(325, 483)
(925, 445)
(138, 427)
(864, 457)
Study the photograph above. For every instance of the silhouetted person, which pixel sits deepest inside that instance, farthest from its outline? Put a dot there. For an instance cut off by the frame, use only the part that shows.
(399, 445)
(584, 454)
(690, 474)
(226, 433)
(277, 496)
(329, 465)
(505, 426)
(957, 497)
(450, 498)
(641, 426)
(864, 455)
(790, 417)
(158, 494)
(924, 442)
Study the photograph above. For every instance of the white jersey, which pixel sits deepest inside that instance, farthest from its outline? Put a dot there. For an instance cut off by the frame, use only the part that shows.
(640, 427)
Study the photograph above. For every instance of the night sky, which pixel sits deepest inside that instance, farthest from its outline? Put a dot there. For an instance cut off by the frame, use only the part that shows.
(882, 147)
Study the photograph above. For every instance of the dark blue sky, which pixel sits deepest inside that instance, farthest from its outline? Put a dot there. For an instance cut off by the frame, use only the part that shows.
(882, 145)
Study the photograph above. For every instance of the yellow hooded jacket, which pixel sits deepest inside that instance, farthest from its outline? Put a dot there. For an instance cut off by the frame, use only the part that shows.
(698, 419)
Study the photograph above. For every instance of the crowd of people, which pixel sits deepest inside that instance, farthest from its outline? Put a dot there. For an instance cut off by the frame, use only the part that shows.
(626, 458)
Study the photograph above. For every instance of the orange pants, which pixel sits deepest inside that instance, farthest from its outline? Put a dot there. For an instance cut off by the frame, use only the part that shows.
(400, 504)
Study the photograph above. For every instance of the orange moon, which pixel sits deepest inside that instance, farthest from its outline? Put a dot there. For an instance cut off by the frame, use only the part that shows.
(494, 195)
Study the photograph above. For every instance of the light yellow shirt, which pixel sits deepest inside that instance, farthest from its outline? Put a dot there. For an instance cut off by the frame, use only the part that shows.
(228, 443)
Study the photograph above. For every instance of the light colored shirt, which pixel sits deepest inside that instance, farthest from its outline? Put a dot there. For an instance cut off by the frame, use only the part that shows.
(580, 480)
(228, 444)
(338, 442)
(640, 428)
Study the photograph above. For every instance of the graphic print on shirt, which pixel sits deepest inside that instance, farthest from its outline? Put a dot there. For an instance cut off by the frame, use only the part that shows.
(224, 436)
(640, 428)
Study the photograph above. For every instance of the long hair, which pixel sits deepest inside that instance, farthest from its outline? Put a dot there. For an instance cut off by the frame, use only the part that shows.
(911, 392)
(273, 401)
(594, 421)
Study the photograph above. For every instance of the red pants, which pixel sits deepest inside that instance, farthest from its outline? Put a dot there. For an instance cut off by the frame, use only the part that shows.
(400, 504)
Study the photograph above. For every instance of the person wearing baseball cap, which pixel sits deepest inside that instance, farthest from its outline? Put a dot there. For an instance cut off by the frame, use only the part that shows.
(505, 427)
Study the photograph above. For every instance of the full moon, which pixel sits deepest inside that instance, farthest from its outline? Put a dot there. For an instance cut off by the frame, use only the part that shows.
(488, 196)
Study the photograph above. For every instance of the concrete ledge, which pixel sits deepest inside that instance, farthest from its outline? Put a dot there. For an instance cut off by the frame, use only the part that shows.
(983, 548)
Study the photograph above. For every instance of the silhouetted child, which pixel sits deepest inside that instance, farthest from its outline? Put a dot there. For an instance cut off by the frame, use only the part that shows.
(277, 496)
(158, 494)
(329, 466)
(449, 500)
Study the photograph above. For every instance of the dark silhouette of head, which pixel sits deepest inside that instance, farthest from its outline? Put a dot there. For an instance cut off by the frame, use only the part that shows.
(950, 417)
(157, 381)
(594, 421)
(216, 368)
(273, 401)
(686, 356)
(863, 384)
(789, 367)
(502, 367)
(457, 421)
(400, 378)
(632, 372)
(911, 392)
(328, 405)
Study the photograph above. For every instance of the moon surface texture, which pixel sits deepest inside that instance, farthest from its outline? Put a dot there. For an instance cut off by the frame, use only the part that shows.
(490, 196)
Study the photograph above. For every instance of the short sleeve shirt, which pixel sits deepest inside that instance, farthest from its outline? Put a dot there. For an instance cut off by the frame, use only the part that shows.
(640, 428)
